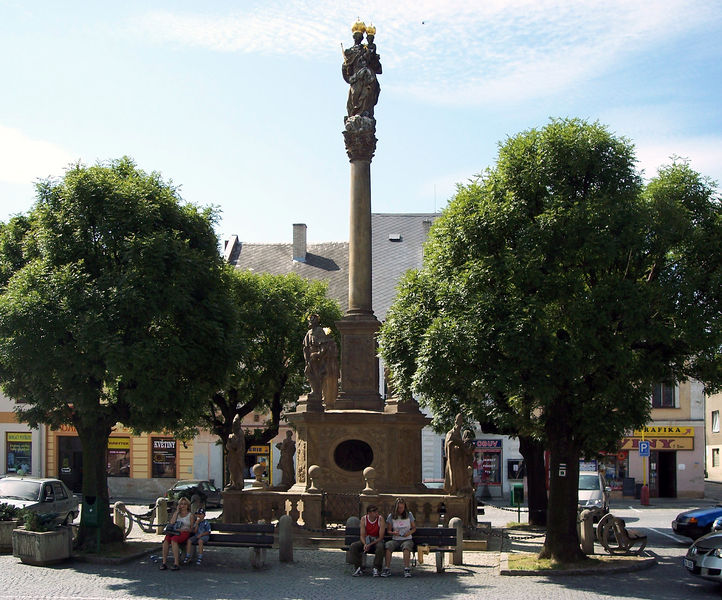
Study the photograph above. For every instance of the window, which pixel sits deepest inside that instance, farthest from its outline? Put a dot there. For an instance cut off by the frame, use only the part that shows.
(164, 457)
(119, 457)
(715, 421)
(59, 491)
(715, 457)
(18, 452)
(663, 396)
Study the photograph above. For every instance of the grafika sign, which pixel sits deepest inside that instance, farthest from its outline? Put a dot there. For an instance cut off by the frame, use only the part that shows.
(664, 432)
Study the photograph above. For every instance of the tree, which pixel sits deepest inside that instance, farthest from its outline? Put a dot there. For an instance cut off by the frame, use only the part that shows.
(559, 288)
(114, 308)
(268, 351)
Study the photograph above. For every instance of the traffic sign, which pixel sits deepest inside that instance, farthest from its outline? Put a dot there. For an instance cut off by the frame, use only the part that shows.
(644, 449)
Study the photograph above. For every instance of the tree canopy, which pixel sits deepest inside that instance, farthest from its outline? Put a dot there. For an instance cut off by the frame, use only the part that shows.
(557, 288)
(268, 373)
(114, 308)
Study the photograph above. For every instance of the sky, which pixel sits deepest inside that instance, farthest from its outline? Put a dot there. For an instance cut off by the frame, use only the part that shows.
(241, 104)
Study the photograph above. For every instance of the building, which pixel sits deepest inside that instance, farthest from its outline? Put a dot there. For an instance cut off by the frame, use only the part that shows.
(713, 406)
(23, 448)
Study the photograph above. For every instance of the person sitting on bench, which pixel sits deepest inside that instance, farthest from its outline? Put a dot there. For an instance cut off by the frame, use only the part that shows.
(401, 526)
(371, 538)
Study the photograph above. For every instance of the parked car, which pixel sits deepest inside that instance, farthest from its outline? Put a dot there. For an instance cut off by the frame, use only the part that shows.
(208, 494)
(696, 522)
(704, 557)
(593, 493)
(41, 495)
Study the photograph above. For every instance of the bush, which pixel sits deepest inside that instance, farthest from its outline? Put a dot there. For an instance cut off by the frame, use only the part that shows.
(39, 522)
(8, 512)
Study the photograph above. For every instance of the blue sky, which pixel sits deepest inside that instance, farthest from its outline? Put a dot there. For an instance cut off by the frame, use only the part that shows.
(242, 103)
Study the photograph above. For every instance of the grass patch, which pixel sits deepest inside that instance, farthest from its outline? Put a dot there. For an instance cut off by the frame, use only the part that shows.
(119, 549)
(525, 561)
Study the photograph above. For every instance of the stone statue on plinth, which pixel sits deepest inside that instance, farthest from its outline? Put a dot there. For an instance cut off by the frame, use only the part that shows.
(236, 455)
(287, 449)
(457, 449)
(361, 65)
(321, 355)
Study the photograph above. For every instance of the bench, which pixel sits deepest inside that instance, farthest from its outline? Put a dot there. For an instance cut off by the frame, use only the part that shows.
(256, 536)
(613, 529)
(439, 540)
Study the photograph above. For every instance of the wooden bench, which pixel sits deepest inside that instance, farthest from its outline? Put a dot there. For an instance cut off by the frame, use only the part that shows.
(258, 537)
(439, 540)
(612, 530)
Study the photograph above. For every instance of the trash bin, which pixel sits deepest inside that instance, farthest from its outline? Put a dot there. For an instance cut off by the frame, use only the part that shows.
(637, 491)
(516, 495)
(90, 516)
(628, 484)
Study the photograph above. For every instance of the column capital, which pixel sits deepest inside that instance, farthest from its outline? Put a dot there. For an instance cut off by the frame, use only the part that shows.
(360, 137)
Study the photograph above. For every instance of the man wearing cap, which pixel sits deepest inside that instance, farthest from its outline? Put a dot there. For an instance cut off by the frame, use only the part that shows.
(201, 533)
(371, 539)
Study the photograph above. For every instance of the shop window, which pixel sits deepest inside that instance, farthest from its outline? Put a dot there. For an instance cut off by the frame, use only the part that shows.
(663, 396)
(119, 457)
(715, 421)
(18, 452)
(487, 465)
(164, 457)
(715, 457)
(515, 469)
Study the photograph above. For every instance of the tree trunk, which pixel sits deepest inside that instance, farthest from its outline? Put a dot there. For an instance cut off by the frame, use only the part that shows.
(94, 441)
(562, 541)
(533, 452)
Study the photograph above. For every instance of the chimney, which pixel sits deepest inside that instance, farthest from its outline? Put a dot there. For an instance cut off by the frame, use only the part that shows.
(299, 242)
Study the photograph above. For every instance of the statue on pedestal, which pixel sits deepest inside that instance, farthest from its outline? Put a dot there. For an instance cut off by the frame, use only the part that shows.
(360, 67)
(236, 455)
(321, 355)
(287, 449)
(458, 451)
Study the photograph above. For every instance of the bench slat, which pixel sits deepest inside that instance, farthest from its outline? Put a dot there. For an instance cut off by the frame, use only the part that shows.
(241, 538)
(243, 527)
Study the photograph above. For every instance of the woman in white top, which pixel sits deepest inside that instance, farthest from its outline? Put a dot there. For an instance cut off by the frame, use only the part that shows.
(183, 517)
(401, 525)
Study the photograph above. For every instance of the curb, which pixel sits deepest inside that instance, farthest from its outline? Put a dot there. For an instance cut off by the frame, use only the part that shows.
(108, 560)
(639, 565)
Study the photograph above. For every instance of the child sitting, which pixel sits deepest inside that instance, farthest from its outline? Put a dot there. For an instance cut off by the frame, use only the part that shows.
(200, 534)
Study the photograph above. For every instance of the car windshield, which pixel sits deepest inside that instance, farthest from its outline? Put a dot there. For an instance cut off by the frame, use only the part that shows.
(185, 486)
(589, 482)
(20, 490)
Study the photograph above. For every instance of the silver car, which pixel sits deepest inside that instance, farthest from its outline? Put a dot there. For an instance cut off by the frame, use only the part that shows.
(704, 557)
(41, 495)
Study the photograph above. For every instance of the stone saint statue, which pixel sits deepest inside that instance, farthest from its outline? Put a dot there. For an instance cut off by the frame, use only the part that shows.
(361, 65)
(285, 461)
(236, 455)
(456, 475)
(321, 355)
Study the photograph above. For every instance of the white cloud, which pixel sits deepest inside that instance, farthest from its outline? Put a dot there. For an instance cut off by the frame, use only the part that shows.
(23, 159)
(457, 52)
(703, 152)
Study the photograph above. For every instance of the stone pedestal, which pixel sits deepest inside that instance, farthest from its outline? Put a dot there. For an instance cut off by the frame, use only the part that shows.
(344, 442)
(359, 364)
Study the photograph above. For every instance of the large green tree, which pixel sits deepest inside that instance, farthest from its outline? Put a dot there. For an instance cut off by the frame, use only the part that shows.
(114, 308)
(559, 288)
(268, 351)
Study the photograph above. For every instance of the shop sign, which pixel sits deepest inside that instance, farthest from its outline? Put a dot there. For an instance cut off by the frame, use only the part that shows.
(118, 443)
(663, 432)
(259, 449)
(20, 437)
(487, 444)
(678, 443)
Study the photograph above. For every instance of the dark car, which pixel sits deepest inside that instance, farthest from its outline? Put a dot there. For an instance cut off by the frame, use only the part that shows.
(696, 522)
(42, 495)
(207, 493)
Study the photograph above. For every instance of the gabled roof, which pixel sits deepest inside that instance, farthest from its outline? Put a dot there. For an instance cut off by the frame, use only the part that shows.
(327, 261)
(397, 246)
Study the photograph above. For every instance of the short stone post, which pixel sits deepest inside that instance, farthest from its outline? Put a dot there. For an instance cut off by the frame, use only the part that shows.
(285, 539)
(586, 531)
(119, 515)
(161, 514)
(351, 522)
(457, 558)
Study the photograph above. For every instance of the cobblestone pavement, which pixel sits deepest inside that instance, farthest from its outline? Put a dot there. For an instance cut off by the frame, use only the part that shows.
(323, 574)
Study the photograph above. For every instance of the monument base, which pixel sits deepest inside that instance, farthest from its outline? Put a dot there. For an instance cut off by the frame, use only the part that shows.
(344, 442)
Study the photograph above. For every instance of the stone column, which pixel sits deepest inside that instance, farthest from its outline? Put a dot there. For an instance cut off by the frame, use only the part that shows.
(359, 364)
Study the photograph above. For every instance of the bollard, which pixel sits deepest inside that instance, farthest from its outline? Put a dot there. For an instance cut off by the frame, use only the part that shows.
(351, 522)
(457, 558)
(285, 539)
(586, 531)
(161, 514)
(119, 515)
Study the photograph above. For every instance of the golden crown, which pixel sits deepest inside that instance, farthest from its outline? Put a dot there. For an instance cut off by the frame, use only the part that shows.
(371, 30)
(358, 26)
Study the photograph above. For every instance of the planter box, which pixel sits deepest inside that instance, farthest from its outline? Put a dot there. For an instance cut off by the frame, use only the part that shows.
(43, 548)
(6, 535)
